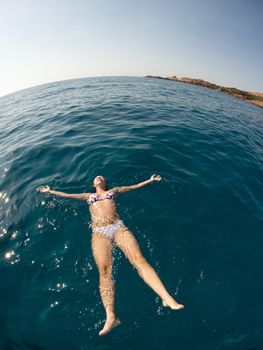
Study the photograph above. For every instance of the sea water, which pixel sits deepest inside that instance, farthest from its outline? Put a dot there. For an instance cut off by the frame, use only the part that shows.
(201, 227)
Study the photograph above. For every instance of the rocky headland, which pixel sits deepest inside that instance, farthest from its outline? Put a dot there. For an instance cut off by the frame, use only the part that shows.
(252, 97)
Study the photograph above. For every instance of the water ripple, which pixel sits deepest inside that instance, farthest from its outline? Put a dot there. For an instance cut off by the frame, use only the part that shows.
(200, 228)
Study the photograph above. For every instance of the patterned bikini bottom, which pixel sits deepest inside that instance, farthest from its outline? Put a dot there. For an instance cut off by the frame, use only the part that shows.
(109, 230)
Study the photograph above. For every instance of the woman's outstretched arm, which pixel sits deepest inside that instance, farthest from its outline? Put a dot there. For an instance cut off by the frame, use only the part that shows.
(46, 189)
(123, 189)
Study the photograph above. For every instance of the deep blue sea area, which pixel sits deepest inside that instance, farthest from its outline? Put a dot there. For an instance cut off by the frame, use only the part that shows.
(201, 227)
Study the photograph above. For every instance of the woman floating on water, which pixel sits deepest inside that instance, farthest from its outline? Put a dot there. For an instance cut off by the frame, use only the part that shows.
(108, 229)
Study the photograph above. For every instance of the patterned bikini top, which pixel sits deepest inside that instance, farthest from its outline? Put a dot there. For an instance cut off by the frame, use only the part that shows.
(94, 197)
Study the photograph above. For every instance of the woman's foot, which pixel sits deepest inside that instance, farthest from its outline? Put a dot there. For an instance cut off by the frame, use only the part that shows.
(170, 302)
(110, 323)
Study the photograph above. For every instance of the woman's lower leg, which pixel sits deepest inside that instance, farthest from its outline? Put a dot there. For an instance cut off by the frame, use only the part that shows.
(107, 292)
(150, 277)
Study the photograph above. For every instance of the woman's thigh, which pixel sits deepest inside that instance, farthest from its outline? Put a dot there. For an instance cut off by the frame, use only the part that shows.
(101, 250)
(127, 242)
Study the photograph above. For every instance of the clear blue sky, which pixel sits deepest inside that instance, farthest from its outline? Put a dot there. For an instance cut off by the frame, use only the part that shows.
(46, 40)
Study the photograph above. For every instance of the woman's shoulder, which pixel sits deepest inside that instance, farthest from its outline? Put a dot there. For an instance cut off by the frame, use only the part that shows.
(112, 192)
(90, 195)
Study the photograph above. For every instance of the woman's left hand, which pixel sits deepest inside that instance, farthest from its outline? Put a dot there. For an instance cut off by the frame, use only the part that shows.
(155, 177)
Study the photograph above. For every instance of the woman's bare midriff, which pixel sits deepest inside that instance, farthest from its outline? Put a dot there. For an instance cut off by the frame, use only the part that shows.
(103, 213)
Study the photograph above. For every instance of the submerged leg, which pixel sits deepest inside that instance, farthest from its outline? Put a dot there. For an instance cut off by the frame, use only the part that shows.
(126, 241)
(102, 253)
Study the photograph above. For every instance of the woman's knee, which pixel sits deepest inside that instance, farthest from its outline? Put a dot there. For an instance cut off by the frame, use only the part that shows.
(137, 260)
(104, 270)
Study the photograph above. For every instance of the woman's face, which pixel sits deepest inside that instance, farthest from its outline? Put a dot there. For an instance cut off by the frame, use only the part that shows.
(99, 180)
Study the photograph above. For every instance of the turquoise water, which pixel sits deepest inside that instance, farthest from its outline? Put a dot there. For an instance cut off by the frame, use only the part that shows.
(201, 227)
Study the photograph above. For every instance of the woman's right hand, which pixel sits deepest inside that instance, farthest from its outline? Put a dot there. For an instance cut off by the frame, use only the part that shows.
(44, 189)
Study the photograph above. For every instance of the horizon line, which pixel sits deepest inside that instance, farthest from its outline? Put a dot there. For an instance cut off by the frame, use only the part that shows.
(110, 76)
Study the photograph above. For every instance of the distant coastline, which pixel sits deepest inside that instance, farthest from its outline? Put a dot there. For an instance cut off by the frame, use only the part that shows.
(252, 97)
